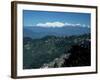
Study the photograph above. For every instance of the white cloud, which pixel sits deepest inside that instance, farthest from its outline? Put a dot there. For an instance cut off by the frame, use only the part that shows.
(60, 24)
(69, 24)
(51, 24)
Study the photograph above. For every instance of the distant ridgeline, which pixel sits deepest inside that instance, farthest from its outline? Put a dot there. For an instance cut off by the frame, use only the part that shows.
(53, 51)
(40, 32)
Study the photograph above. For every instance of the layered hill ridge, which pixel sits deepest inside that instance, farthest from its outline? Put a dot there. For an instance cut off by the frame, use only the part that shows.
(39, 32)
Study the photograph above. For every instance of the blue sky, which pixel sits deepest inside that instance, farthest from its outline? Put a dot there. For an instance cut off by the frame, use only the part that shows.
(47, 18)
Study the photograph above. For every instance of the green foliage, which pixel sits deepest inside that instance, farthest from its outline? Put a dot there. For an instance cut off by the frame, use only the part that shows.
(80, 55)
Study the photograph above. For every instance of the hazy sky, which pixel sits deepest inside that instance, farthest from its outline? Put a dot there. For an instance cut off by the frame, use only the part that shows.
(55, 19)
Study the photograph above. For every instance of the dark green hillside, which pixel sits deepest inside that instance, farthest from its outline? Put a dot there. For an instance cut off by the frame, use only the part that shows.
(37, 52)
(80, 55)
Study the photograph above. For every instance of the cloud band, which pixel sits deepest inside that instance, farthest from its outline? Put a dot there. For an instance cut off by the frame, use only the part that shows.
(60, 24)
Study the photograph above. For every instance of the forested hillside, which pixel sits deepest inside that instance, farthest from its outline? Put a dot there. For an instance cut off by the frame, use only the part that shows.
(54, 51)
